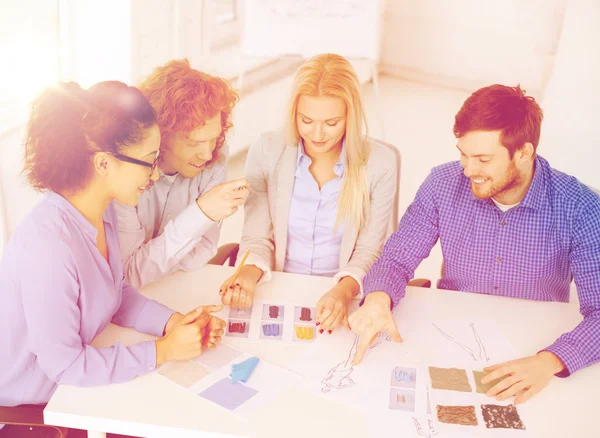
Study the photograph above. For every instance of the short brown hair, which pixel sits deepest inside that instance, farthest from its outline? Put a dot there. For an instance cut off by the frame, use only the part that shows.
(499, 107)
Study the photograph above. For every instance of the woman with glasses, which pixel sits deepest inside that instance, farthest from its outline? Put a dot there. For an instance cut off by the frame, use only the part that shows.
(61, 274)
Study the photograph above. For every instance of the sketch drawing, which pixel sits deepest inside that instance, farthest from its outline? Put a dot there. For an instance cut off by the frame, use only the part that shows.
(380, 339)
(431, 430)
(338, 377)
(481, 353)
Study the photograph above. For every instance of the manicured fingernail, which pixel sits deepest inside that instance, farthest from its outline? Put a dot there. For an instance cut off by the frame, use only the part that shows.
(318, 323)
(329, 332)
(321, 331)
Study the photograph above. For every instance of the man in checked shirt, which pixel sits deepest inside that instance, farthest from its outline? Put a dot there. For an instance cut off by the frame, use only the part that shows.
(509, 225)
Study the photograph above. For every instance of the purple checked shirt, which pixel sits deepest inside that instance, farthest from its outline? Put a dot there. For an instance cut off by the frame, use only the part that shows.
(57, 293)
(531, 251)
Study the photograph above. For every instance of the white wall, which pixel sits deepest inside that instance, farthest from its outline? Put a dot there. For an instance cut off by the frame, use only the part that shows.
(571, 129)
(126, 39)
(471, 43)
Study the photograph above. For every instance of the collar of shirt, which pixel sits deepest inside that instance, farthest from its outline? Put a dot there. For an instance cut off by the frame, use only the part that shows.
(169, 179)
(304, 161)
(69, 209)
(534, 197)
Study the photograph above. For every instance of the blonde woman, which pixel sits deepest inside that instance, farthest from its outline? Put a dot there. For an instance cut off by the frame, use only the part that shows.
(321, 194)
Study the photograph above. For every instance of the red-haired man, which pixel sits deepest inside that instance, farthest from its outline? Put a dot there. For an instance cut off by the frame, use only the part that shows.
(176, 223)
(509, 225)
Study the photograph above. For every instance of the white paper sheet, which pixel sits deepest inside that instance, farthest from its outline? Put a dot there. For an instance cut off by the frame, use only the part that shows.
(208, 376)
(392, 384)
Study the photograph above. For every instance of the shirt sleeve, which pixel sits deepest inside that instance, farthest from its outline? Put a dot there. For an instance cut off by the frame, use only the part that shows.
(141, 313)
(417, 233)
(581, 347)
(258, 234)
(53, 317)
(206, 247)
(187, 242)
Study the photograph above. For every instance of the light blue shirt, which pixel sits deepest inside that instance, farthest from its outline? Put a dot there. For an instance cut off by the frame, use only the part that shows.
(313, 243)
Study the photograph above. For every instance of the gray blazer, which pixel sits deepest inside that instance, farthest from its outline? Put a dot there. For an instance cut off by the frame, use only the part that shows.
(270, 170)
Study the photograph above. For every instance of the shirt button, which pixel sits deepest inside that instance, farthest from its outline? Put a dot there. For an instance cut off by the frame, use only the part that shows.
(503, 223)
(495, 287)
(499, 259)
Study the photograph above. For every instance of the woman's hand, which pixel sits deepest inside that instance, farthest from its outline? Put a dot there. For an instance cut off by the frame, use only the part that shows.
(241, 292)
(187, 335)
(332, 308)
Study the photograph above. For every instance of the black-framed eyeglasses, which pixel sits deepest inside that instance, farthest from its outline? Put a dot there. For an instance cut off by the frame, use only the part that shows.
(131, 160)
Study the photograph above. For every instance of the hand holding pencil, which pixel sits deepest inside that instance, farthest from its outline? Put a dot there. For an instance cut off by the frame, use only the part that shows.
(238, 290)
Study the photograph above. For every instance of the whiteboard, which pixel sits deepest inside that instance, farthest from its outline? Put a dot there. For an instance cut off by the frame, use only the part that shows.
(350, 28)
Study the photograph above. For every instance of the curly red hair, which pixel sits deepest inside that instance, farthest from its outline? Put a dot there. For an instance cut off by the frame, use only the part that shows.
(184, 98)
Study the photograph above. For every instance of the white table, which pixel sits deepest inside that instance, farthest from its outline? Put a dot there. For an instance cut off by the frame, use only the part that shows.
(151, 406)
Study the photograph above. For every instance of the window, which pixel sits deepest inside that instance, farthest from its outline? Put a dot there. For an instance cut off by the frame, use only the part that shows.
(226, 23)
(226, 11)
(30, 52)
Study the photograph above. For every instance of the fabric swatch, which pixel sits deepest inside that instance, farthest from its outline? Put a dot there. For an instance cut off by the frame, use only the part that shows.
(237, 327)
(184, 373)
(274, 312)
(402, 399)
(271, 329)
(228, 394)
(501, 417)
(452, 379)
(217, 357)
(480, 387)
(304, 333)
(463, 415)
(305, 314)
(240, 372)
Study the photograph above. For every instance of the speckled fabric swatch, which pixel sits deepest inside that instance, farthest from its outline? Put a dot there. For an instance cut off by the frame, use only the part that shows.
(452, 379)
(463, 415)
(501, 417)
(480, 387)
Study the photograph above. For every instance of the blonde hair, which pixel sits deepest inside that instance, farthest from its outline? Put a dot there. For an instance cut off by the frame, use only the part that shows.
(333, 76)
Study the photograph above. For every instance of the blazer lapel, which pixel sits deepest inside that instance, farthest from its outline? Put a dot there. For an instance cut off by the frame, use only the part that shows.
(349, 236)
(283, 202)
